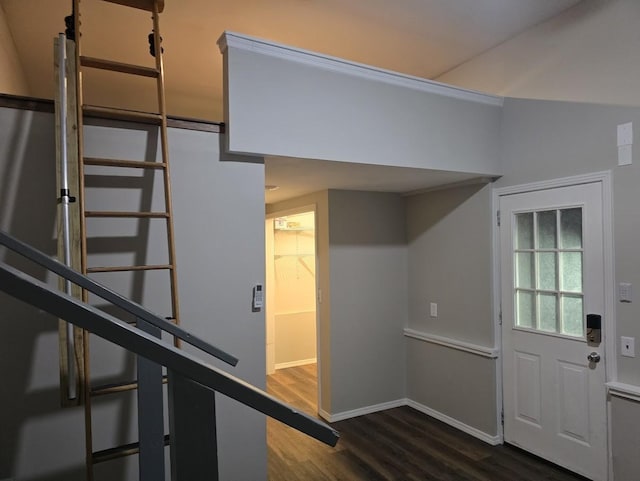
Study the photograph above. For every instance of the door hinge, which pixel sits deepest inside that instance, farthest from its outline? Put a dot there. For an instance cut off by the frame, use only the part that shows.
(498, 218)
(502, 417)
(500, 316)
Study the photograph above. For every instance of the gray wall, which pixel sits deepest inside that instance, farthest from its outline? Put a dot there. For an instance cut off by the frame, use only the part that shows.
(330, 115)
(545, 140)
(219, 260)
(449, 235)
(368, 298)
(362, 266)
(458, 384)
(449, 248)
(625, 424)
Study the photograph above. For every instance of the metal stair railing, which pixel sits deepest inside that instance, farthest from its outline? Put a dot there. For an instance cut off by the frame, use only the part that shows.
(192, 382)
(111, 296)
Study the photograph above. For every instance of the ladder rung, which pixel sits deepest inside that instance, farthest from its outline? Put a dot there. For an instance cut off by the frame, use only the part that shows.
(120, 451)
(92, 270)
(122, 114)
(127, 68)
(132, 164)
(146, 215)
(141, 4)
(114, 388)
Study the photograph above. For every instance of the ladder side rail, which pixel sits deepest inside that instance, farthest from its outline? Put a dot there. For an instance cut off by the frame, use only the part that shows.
(79, 97)
(162, 106)
(42, 296)
(109, 295)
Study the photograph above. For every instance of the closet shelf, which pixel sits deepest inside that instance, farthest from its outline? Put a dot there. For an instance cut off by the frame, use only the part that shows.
(294, 229)
(301, 254)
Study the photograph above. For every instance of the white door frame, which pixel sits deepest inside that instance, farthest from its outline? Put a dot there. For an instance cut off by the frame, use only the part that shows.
(301, 210)
(604, 178)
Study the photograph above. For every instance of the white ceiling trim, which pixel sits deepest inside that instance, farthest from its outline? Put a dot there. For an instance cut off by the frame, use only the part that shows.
(245, 42)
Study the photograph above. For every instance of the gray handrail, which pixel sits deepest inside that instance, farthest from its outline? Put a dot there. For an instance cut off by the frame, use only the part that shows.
(107, 294)
(37, 293)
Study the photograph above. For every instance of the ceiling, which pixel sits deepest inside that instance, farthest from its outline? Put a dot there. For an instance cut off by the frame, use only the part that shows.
(424, 38)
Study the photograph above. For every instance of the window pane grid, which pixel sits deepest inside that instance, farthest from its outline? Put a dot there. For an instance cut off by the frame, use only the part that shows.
(548, 271)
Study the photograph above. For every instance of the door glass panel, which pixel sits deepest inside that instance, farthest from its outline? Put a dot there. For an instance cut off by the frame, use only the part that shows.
(524, 238)
(548, 279)
(548, 312)
(525, 270)
(547, 229)
(547, 271)
(571, 228)
(525, 309)
(571, 263)
(572, 316)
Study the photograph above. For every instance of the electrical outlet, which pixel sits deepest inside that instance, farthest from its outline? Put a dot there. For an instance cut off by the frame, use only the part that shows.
(628, 346)
(625, 291)
(433, 309)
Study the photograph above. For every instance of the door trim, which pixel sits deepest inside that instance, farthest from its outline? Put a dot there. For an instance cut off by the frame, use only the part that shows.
(301, 210)
(604, 178)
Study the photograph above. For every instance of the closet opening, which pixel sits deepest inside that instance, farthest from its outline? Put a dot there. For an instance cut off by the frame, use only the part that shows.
(291, 309)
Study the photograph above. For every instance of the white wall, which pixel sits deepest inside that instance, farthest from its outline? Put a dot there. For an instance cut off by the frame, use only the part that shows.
(283, 102)
(588, 53)
(12, 79)
(209, 196)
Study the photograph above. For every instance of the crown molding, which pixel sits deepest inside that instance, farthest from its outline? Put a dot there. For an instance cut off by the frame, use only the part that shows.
(327, 62)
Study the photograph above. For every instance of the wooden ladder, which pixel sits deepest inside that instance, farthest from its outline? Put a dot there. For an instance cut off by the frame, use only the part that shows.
(83, 66)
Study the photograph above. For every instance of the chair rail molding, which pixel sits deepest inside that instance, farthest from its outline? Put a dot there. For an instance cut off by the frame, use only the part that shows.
(478, 350)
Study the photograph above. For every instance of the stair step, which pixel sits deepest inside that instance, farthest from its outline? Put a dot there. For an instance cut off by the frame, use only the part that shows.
(118, 387)
(92, 270)
(132, 164)
(120, 451)
(113, 66)
(141, 4)
(135, 215)
(122, 114)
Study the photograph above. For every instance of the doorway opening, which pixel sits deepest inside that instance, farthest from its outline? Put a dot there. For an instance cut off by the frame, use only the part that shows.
(291, 310)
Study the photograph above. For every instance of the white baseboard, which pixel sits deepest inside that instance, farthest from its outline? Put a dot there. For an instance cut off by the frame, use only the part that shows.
(333, 418)
(301, 362)
(487, 438)
(481, 435)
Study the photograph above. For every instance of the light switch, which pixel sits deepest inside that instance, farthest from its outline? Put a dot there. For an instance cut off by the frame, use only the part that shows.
(625, 292)
(625, 134)
(433, 309)
(628, 346)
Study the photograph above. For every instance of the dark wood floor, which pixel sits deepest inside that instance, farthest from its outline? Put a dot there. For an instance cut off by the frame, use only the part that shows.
(399, 444)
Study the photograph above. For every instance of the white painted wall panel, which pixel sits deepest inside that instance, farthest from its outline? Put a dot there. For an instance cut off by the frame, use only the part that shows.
(279, 106)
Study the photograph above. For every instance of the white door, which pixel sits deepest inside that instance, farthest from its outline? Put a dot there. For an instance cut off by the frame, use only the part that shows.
(552, 275)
